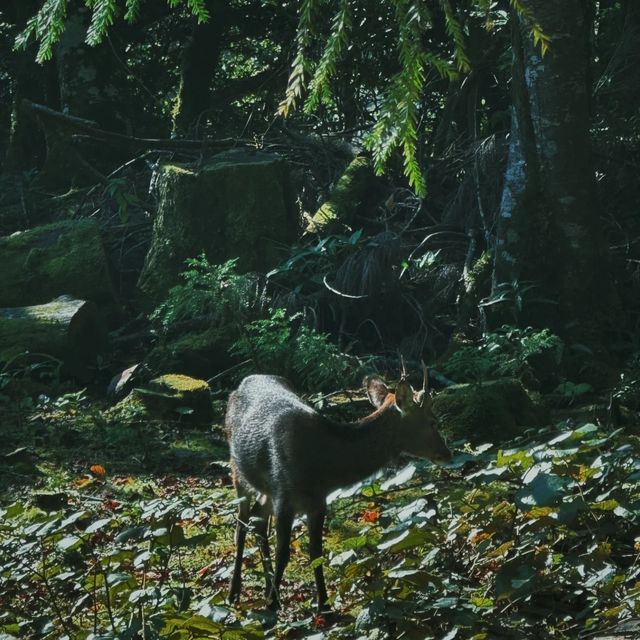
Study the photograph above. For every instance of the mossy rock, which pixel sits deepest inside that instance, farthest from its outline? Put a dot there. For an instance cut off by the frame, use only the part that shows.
(178, 397)
(493, 411)
(197, 353)
(240, 205)
(65, 257)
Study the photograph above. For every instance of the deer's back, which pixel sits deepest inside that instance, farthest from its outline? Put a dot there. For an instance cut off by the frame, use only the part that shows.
(274, 438)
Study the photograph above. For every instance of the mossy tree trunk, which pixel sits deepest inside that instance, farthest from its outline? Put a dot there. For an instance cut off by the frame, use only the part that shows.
(26, 148)
(198, 63)
(550, 263)
(239, 205)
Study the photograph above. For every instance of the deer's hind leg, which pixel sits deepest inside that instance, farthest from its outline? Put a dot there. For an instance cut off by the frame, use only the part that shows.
(260, 514)
(315, 521)
(242, 521)
(283, 516)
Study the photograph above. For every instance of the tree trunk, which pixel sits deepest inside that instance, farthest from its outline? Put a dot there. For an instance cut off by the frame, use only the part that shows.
(198, 64)
(550, 264)
(26, 147)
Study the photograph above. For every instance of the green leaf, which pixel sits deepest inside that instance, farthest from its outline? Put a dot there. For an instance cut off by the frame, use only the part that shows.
(408, 539)
(98, 524)
(69, 542)
(404, 475)
(541, 490)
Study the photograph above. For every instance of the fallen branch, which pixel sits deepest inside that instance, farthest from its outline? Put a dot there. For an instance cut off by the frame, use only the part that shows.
(92, 130)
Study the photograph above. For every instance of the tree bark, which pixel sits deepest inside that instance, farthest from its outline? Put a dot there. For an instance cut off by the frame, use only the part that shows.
(198, 64)
(550, 263)
(26, 148)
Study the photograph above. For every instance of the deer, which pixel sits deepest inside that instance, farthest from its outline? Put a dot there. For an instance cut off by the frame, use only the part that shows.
(289, 458)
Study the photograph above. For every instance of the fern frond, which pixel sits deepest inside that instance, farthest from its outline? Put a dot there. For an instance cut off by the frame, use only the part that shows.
(49, 24)
(301, 65)
(104, 12)
(132, 10)
(199, 10)
(319, 87)
(455, 33)
(539, 37)
(397, 124)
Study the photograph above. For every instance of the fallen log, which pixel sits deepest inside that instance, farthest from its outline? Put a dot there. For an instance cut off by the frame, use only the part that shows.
(68, 329)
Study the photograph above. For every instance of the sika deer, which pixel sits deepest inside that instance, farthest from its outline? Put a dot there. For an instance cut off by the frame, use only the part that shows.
(293, 457)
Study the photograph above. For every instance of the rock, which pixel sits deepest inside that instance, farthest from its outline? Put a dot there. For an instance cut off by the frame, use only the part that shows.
(122, 383)
(60, 258)
(178, 397)
(493, 411)
(240, 205)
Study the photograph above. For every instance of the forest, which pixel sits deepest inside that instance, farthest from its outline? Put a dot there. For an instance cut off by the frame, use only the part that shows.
(422, 205)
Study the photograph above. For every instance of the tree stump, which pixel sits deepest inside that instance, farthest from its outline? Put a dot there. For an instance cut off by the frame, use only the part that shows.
(66, 328)
(240, 205)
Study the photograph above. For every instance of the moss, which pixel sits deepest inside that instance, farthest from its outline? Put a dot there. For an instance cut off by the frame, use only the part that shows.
(180, 384)
(347, 196)
(493, 411)
(54, 259)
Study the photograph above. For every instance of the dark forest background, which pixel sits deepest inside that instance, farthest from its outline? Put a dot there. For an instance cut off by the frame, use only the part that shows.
(322, 189)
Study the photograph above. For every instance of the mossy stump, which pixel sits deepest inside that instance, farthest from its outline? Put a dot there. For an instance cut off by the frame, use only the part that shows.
(492, 411)
(65, 257)
(178, 397)
(239, 205)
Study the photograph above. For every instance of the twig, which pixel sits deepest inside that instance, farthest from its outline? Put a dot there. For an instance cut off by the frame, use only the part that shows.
(210, 381)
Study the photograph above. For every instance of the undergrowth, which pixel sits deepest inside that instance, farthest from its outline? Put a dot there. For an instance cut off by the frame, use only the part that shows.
(535, 538)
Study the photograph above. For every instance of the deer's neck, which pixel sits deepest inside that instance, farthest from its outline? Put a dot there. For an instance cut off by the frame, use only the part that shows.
(357, 449)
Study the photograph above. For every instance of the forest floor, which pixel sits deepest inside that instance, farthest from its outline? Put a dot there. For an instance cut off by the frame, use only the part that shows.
(116, 526)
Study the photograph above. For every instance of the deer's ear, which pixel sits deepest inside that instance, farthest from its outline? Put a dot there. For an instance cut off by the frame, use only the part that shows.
(404, 395)
(422, 398)
(376, 390)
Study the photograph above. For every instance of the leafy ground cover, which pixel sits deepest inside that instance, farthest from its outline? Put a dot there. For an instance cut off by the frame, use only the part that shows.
(112, 526)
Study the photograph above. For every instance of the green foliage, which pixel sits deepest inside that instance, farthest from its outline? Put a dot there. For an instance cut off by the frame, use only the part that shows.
(535, 540)
(111, 570)
(545, 526)
(275, 345)
(215, 292)
(300, 65)
(319, 87)
(48, 24)
(506, 352)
